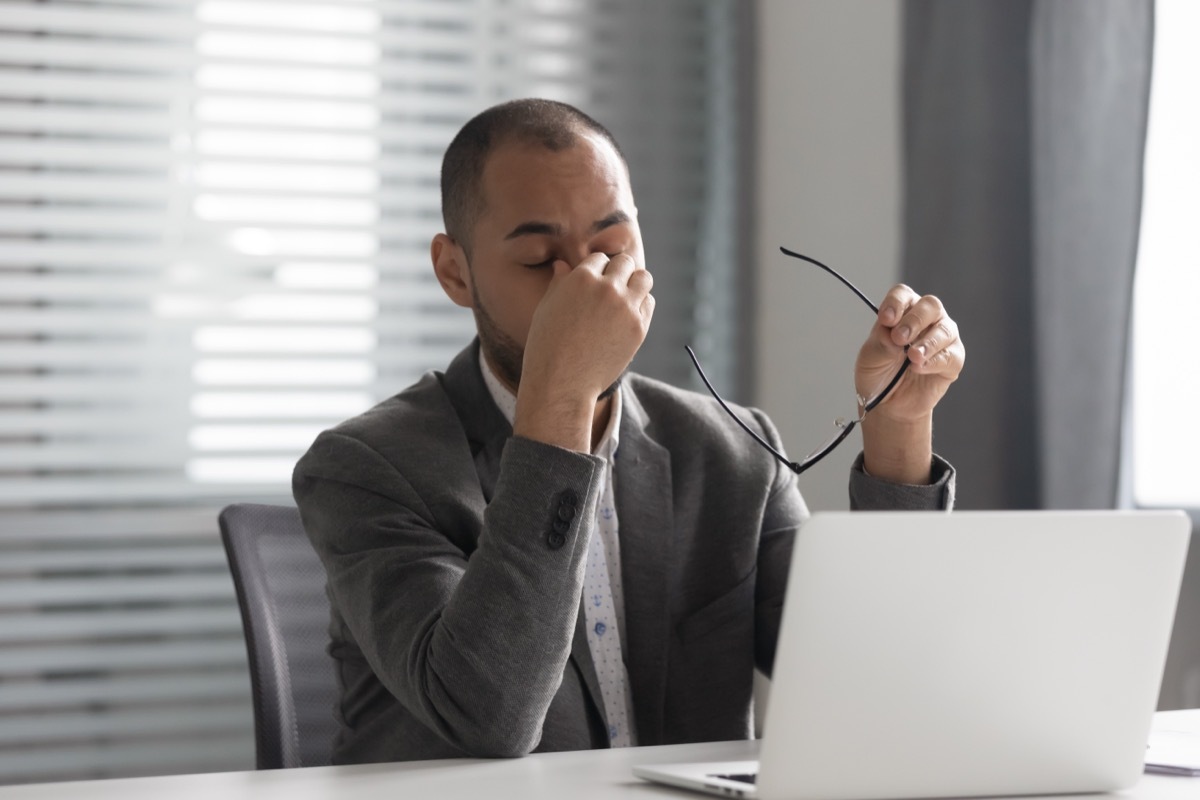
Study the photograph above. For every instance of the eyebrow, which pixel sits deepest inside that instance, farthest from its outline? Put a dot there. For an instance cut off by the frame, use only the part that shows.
(547, 229)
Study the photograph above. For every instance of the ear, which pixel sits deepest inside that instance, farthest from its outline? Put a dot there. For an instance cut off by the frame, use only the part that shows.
(450, 266)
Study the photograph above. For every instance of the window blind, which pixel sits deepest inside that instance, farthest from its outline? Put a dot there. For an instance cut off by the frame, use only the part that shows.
(214, 228)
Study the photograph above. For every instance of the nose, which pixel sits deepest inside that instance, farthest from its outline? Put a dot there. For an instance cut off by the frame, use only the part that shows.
(575, 253)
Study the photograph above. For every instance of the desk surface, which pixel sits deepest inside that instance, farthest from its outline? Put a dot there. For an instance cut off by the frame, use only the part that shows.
(579, 775)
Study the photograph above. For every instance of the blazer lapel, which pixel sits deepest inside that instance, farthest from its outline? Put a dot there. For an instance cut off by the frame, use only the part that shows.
(645, 511)
(486, 428)
(581, 654)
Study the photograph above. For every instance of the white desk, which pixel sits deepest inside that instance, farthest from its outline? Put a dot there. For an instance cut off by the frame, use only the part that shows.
(578, 776)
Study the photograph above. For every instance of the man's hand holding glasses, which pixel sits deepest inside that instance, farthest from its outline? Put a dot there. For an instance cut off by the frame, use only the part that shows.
(907, 363)
(897, 433)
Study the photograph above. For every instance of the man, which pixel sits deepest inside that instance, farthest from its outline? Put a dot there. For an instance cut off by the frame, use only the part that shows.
(536, 551)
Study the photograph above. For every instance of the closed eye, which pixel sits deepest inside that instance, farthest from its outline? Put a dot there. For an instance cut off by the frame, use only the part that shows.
(549, 262)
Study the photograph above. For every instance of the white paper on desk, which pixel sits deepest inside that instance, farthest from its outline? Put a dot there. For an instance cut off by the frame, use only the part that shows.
(1174, 752)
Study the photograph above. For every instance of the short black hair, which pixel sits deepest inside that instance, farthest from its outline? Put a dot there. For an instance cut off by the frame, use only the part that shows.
(553, 125)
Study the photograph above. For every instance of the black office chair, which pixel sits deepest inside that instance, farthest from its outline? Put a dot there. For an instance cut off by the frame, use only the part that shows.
(280, 586)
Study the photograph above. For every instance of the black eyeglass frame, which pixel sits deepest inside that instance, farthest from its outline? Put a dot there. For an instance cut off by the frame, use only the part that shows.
(846, 427)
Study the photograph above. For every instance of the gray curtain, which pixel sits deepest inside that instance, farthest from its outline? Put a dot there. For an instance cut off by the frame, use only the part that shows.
(1025, 125)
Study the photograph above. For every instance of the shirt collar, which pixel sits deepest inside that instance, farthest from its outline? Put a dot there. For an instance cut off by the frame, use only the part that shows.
(506, 401)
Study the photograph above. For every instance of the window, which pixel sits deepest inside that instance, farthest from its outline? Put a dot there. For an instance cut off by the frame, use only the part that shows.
(214, 229)
(1165, 366)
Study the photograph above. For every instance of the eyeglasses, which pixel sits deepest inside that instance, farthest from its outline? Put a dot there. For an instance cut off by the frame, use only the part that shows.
(844, 426)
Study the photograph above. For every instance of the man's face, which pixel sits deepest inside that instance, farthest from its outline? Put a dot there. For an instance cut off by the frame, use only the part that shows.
(541, 206)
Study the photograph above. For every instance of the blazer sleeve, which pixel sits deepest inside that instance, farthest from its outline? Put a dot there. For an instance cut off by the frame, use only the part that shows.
(872, 494)
(786, 511)
(474, 648)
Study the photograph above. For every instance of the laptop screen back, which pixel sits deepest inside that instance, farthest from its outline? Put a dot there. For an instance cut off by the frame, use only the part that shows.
(933, 654)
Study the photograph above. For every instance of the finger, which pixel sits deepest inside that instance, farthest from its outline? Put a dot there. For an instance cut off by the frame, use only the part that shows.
(933, 340)
(920, 315)
(898, 300)
(595, 263)
(641, 282)
(619, 268)
(947, 362)
(646, 309)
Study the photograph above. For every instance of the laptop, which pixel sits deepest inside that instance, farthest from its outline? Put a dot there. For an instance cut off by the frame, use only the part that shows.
(926, 654)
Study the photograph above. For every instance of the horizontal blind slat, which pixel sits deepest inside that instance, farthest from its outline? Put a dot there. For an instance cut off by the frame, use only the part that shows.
(163, 655)
(131, 288)
(289, 405)
(91, 691)
(173, 24)
(62, 728)
(155, 57)
(13, 560)
(120, 623)
(48, 593)
(81, 187)
(56, 491)
(103, 759)
(153, 256)
(135, 321)
(114, 525)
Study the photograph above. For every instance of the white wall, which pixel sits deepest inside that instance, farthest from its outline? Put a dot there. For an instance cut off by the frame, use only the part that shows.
(828, 177)
(829, 186)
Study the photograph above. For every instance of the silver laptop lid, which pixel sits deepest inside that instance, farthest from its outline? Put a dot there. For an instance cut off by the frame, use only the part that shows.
(933, 654)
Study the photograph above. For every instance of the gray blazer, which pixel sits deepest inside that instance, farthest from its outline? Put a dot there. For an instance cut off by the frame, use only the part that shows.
(457, 627)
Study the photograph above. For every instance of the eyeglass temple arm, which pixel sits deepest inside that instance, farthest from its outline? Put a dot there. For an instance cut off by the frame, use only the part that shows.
(792, 465)
(869, 406)
(834, 273)
(903, 367)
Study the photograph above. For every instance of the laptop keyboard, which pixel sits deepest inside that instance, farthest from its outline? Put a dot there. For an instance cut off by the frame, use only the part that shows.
(748, 777)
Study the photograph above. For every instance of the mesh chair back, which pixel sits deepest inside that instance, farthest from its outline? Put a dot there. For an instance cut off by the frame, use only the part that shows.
(280, 586)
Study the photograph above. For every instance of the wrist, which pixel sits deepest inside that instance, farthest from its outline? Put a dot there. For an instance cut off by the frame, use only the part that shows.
(559, 419)
(899, 451)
